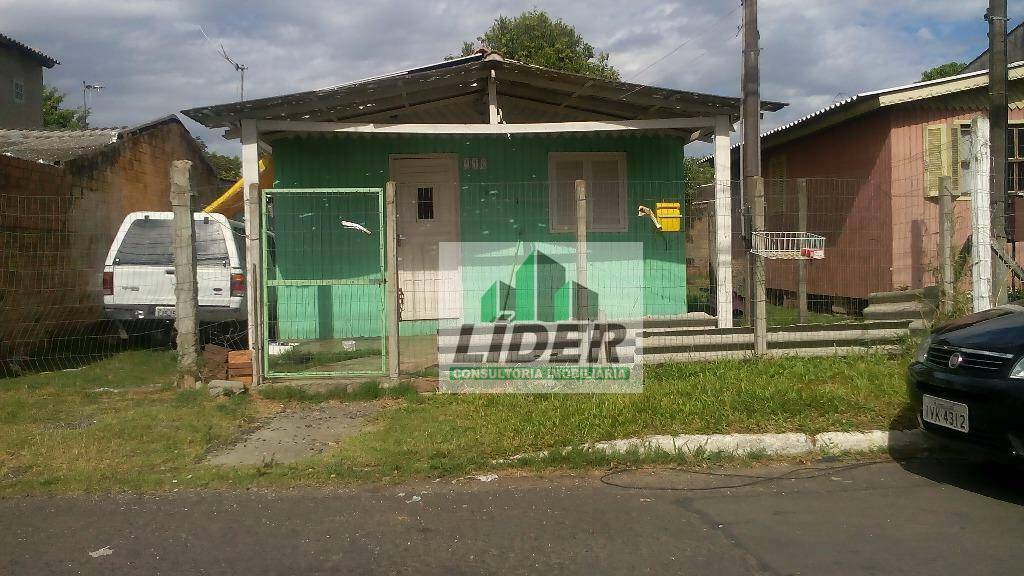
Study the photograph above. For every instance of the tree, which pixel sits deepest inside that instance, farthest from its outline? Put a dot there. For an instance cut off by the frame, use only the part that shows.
(534, 38)
(57, 118)
(227, 167)
(943, 71)
(698, 173)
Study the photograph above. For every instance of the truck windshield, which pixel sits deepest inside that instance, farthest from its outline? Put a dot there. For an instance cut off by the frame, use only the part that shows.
(148, 243)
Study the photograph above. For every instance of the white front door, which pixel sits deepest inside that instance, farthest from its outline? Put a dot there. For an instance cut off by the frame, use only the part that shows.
(428, 213)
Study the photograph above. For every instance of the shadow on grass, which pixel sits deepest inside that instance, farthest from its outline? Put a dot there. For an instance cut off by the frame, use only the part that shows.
(369, 390)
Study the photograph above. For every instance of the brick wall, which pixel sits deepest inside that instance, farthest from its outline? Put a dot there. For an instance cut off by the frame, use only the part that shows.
(57, 224)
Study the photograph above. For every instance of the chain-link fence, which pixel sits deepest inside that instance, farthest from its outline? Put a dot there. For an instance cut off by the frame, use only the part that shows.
(80, 281)
(849, 265)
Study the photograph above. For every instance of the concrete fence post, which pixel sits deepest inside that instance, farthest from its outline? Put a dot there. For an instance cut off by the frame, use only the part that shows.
(391, 280)
(946, 243)
(582, 304)
(185, 291)
(252, 198)
(801, 200)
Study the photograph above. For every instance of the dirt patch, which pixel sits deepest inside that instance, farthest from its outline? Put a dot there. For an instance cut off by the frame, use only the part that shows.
(296, 434)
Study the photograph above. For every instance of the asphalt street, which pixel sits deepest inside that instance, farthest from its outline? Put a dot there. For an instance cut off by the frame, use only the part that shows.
(921, 516)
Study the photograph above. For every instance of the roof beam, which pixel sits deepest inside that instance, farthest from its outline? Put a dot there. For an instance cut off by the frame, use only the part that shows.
(385, 105)
(493, 129)
(580, 91)
(571, 114)
(390, 113)
(725, 106)
(493, 114)
(325, 102)
(512, 112)
(620, 110)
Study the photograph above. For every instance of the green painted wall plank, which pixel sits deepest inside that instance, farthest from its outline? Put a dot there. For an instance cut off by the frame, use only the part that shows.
(506, 202)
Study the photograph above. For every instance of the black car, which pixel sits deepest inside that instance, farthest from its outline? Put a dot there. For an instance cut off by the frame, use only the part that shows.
(967, 380)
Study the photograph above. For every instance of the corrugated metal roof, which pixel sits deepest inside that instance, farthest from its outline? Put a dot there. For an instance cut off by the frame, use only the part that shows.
(58, 146)
(54, 146)
(45, 60)
(397, 93)
(868, 98)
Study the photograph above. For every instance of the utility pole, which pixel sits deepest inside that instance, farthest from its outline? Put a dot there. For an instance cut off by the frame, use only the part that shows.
(753, 186)
(998, 121)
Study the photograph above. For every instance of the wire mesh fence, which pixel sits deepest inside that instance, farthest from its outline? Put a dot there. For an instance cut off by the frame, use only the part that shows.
(80, 281)
(838, 253)
(324, 278)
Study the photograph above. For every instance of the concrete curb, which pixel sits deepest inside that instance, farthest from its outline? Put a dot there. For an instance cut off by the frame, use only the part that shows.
(770, 444)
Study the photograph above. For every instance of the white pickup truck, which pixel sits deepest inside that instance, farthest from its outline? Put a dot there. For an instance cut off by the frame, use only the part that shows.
(138, 274)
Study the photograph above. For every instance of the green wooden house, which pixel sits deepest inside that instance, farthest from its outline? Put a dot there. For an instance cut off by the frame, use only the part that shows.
(481, 149)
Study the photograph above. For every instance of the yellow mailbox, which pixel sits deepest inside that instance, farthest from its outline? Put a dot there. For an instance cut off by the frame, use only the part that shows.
(669, 216)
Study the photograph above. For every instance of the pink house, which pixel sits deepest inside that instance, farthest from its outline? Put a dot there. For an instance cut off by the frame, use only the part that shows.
(873, 163)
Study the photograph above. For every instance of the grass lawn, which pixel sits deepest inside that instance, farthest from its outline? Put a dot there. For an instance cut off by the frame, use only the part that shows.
(454, 434)
(57, 434)
(115, 424)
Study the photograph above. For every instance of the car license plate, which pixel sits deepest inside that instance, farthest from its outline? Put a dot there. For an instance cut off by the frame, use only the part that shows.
(164, 312)
(945, 413)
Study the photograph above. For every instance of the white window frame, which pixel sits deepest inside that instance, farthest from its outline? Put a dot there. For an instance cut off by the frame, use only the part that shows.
(15, 83)
(589, 157)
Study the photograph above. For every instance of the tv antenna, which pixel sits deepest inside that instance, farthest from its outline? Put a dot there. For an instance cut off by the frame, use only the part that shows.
(240, 68)
(86, 88)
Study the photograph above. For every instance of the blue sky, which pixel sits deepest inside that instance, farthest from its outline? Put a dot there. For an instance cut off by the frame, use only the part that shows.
(153, 59)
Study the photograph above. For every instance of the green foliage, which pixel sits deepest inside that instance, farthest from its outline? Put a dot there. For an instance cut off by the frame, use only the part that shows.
(534, 38)
(697, 173)
(943, 71)
(227, 167)
(57, 118)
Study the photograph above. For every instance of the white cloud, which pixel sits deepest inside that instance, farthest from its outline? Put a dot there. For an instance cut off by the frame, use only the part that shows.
(154, 61)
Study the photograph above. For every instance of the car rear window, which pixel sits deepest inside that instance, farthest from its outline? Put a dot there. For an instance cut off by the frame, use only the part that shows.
(148, 243)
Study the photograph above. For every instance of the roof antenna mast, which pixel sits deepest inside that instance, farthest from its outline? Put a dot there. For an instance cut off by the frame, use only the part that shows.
(240, 68)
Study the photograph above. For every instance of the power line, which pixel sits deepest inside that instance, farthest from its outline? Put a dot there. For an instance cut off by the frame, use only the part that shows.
(677, 49)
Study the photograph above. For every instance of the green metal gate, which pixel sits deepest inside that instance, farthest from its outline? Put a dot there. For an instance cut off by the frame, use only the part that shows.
(324, 304)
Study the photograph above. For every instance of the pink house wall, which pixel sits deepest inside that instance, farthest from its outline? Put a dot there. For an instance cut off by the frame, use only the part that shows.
(915, 218)
(848, 167)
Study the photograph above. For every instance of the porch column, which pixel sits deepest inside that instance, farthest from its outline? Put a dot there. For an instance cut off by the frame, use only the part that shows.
(253, 256)
(723, 222)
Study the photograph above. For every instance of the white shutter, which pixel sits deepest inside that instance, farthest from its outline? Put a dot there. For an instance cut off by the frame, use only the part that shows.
(605, 175)
(605, 190)
(936, 158)
(564, 174)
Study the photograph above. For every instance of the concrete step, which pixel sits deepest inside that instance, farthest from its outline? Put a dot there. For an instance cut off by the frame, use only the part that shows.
(815, 328)
(838, 339)
(917, 295)
(772, 353)
(693, 320)
(921, 310)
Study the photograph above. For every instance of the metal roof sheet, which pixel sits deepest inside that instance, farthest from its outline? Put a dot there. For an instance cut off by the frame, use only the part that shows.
(398, 91)
(913, 92)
